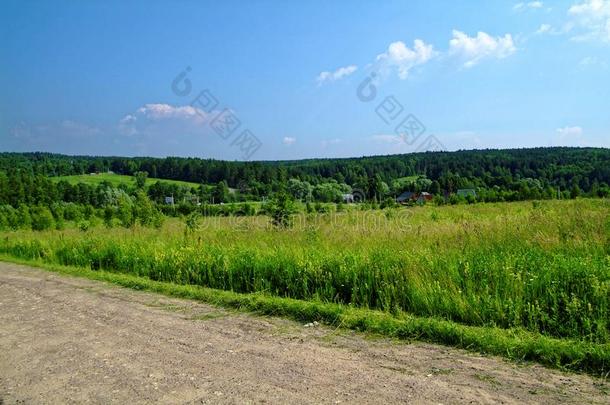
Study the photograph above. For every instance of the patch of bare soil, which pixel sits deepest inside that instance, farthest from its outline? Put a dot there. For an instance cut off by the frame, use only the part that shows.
(69, 340)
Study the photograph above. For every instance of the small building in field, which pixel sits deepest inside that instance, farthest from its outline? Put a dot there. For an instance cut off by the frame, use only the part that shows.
(410, 196)
(406, 197)
(348, 198)
(424, 197)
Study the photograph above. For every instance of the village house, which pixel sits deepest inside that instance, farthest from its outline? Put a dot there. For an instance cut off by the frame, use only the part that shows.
(410, 196)
(424, 197)
(348, 198)
(406, 197)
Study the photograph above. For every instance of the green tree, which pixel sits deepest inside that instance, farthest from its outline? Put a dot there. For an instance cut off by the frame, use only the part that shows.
(220, 194)
(435, 188)
(281, 208)
(125, 213)
(24, 220)
(328, 192)
(574, 191)
(388, 202)
(108, 215)
(300, 190)
(191, 224)
(140, 179)
(145, 212)
(42, 218)
(438, 200)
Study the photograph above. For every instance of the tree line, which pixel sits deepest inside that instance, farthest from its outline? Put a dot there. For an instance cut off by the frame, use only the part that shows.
(558, 167)
(29, 194)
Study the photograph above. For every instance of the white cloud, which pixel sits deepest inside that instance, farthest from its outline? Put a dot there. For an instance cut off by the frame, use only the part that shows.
(569, 132)
(592, 61)
(159, 129)
(588, 61)
(328, 142)
(544, 28)
(155, 114)
(166, 111)
(127, 125)
(590, 19)
(404, 58)
(289, 140)
(338, 74)
(591, 9)
(529, 5)
(473, 49)
(570, 136)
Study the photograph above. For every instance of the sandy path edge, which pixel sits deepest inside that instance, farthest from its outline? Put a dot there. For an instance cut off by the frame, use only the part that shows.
(71, 340)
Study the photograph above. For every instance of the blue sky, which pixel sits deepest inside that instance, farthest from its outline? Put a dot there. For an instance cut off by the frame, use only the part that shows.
(96, 77)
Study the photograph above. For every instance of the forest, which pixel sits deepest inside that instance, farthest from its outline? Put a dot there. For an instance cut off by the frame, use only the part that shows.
(496, 175)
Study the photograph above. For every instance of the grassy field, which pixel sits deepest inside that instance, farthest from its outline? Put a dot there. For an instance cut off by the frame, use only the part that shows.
(535, 270)
(115, 180)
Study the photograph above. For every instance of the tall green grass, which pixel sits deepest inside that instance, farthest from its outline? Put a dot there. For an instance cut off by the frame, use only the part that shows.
(544, 268)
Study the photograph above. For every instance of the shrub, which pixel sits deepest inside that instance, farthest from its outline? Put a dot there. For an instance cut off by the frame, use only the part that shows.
(41, 218)
(281, 208)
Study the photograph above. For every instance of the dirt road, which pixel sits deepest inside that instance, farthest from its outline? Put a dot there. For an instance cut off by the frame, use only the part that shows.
(68, 340)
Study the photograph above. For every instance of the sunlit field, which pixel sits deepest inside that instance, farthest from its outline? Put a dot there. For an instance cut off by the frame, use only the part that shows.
(115, 180)
(541, 266)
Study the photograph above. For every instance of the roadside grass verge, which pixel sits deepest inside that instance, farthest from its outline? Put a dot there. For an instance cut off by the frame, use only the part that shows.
(513, 344)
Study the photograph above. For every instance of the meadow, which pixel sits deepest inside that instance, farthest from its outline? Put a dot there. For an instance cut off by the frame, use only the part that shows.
(115, 180)
(542, 267)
